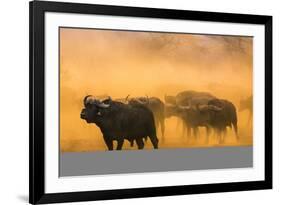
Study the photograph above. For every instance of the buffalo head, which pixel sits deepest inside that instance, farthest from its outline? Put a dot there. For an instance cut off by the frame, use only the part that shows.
(170, 99)
(139, 101)
(92, 108)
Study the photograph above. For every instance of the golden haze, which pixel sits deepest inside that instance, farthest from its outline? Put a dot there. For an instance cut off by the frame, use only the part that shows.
(118, 63)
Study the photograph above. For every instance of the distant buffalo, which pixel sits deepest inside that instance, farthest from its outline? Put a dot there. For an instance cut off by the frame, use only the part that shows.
(247, 104)
(191, 99)
(119, 121)
(216, 113)
(224, 116)
(156, 106)
(191, 117)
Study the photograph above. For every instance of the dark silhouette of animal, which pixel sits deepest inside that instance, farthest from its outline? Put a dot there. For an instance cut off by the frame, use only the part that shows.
(247, 104)
(192, 118)
(217, 114)
(191, 99)
(222, 114)
(156, 106)
(119, 121)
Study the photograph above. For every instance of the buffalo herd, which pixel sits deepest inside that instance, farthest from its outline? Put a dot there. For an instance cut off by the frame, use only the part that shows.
(138, 119)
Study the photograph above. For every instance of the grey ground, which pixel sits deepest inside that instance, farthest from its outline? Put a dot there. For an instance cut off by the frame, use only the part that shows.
(116, 162)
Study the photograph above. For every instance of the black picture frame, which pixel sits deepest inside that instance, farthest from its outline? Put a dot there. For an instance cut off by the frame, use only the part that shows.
(37, 9)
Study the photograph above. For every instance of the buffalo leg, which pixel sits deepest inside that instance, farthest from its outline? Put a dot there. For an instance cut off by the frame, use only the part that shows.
(223, 134)
(140, 143)
(188, 131)
(208, 130)
(195, 132)
(156, 122)
(162, 123)
(120, 144)
(219, 134)
(178, 123)
(108, 142)
(184, 128)
(236, 131)
(154, 141)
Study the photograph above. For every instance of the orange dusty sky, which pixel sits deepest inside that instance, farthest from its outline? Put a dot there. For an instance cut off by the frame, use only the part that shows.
(118, 63)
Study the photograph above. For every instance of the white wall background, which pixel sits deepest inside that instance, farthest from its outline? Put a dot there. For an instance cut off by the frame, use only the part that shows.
(14, 100)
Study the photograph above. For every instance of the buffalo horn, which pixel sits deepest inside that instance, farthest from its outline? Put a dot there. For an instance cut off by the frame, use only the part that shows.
(215, 108)
(126, 99)
(103, 105)
(86, 99)
(147, 99)
(184, 107)
(202, 107)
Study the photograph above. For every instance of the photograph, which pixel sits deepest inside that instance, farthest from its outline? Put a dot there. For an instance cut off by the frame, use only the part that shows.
(130, 102)
(136, 90)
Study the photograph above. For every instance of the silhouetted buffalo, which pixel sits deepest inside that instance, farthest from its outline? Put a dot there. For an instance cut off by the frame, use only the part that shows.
(217, 114)
(119, 121)
(223, 114)
(191, 117)
(247, 104)
(191, 99)
(156, 106)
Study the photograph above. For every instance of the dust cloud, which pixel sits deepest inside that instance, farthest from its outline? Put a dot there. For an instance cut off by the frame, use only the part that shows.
(119, 63)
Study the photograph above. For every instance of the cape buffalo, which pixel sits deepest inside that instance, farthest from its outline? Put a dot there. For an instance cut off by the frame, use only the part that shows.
(192, 118)
(217, 114)
(192, 99)
(119, 121)
(220, 115)
(247, 104)
(224, 116)
(156, 106)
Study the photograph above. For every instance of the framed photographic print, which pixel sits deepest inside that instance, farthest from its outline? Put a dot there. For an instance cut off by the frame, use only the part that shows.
(140, 102)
